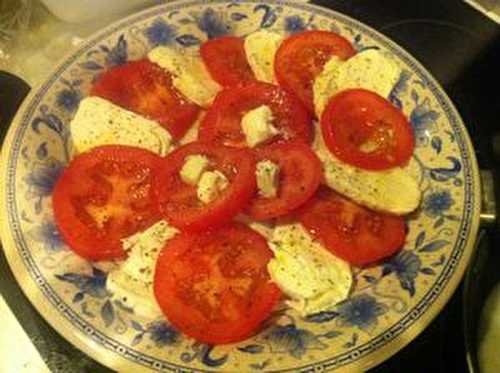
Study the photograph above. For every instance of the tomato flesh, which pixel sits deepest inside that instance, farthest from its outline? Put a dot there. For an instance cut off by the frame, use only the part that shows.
(300, 175)
(350, 231)
(104, 195)
(214, 286)
(226, 60)
(222, 123)
(178, 201)
(301, 57)
(145, 88)
(365, 130)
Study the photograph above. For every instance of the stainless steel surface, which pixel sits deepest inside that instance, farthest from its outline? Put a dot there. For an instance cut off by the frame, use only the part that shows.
(490, 8)
(489, 206)
(472, 301)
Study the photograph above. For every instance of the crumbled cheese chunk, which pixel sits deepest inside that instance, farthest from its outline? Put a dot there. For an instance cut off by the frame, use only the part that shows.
(210, 185)
(193, 168)
(257, 125)
(268, 175)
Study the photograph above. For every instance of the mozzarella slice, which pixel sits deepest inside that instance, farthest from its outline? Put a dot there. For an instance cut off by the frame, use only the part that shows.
(267, 174)
(189, 74)
(132, 282)
(193, 168)
(369, 69)
(192, 133)
(325, 84)
(210, 185)
(315, 279)
(260, 48)
(393, 190)
(257, 125)
(264, 228)
(100, 122)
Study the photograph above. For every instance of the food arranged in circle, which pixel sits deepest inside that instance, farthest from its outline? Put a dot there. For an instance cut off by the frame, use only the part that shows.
(297, 173)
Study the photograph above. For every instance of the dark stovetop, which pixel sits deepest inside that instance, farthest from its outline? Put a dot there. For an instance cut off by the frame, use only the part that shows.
(461, 48)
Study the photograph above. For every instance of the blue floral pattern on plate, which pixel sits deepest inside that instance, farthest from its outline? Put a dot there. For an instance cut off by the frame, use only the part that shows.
(48, 234)
(295, 24)
(361, 311)
(387, 299)
(160, 33)
(212, 24)
(160, 332)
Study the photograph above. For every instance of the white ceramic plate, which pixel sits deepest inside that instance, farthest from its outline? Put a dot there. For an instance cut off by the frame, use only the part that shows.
(391, 303)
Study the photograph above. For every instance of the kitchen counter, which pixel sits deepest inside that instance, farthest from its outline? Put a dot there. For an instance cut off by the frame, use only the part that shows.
(29, 49)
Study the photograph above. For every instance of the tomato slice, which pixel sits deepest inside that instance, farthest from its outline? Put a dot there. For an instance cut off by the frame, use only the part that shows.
(350, 231)
(365, 130)
(214, 286)
(226, 60)
(104, 195)
(178, 201)
(223, 120)
(301, 57)
(146, 89)
(300, 176)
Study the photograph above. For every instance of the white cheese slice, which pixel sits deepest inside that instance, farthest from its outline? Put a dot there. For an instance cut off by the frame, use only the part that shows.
(189, 74)
(265, 228)
(303, 269)
(394, 190)
(99, 122)
(192, 133)
(370, 69)
(132, 282)
(325, 85)
(260, 48)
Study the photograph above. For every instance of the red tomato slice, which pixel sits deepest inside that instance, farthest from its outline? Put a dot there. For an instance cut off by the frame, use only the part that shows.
(352, 232)
(223, 120)
(179, 202)
(300, 176)
(104, 195)
(226, 60)
(214, 286)
(146, 89)
(365, 130)
(301, 57)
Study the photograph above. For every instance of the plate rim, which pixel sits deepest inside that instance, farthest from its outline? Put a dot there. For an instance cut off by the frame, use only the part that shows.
(100, 352)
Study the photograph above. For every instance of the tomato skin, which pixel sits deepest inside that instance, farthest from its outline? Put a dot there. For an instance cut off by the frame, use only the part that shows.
(355, 117)
(222, 123)
(226, 60)
(300, 176)
(146, 89)
(352, 232)
(113, 180)
(195, 277)
(301, 57)
(178, 202)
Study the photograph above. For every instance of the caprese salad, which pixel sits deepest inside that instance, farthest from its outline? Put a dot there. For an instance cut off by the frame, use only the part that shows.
(226, 180)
